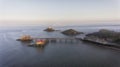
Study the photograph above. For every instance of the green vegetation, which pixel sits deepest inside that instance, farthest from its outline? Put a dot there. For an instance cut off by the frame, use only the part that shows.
(106, 35)
(71, 32)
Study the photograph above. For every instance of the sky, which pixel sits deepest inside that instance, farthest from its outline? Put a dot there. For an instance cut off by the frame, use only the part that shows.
(58, 12)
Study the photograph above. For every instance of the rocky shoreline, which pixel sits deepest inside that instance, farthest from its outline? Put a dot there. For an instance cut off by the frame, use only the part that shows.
(104, 37)
(101, 43)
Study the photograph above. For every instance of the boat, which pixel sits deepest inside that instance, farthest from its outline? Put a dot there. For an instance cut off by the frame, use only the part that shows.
(25, 38)
(39, 43)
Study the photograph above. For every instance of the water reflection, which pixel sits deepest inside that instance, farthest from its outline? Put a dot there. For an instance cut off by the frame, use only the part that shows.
(40, 49)
(64, 41)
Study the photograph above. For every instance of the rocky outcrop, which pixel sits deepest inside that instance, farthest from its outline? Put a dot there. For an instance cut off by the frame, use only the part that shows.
(49, 29)
(106, 35)
(71, 32)
(25, 38)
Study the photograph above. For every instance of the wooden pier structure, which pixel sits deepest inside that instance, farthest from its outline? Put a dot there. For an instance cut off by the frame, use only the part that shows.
(65, 40)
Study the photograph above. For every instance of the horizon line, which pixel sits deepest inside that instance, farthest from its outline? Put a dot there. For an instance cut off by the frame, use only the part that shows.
(58, 20)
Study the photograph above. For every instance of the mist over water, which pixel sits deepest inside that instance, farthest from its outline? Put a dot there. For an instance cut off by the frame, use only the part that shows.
(61, 54)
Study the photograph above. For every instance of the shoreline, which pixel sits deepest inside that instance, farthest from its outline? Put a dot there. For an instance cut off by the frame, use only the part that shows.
(100, 43)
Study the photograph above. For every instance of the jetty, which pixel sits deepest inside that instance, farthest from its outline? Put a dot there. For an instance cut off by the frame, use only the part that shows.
(58, 39)
(27, 38)
(102, 43)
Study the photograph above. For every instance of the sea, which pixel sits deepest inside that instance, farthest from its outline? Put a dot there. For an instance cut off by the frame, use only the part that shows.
(60, 54)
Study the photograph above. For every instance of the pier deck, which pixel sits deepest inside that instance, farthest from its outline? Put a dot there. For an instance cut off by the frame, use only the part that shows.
(58, 39)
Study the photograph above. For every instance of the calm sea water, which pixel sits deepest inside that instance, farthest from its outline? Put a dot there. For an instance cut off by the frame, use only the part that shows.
(60, 54)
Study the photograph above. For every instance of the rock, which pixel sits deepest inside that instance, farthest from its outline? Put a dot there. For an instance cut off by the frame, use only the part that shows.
(25, 38)
(103, 34)
(71, 32)
(49, 29)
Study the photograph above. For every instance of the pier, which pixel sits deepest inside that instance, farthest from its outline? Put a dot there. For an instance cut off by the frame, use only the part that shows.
(63, 40)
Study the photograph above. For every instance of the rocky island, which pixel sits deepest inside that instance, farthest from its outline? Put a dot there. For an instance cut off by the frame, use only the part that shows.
(104, 37)
(71, 32)
(25, 38)
(49, 29)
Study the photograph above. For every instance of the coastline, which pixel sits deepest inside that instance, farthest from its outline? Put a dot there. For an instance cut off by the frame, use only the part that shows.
(100, 43)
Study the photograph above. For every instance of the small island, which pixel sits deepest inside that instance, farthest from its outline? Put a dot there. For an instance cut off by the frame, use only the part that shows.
(71, 32)
(49, 29)
(38, 43)
(104, 37)
(25, 38)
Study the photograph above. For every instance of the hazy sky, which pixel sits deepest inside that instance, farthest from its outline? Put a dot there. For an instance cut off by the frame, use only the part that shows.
(27, 12)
